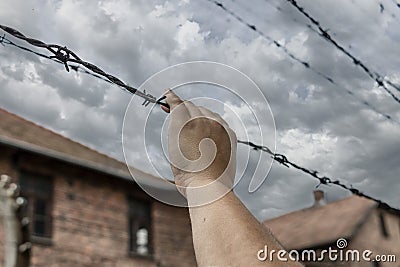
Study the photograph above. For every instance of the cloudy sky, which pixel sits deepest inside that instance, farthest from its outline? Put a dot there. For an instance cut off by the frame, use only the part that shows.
(318, 125)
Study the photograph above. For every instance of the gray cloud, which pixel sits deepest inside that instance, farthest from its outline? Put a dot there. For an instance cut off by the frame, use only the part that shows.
(318, 125)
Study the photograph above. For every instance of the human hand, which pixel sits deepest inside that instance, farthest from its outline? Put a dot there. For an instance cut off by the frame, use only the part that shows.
(201, 146)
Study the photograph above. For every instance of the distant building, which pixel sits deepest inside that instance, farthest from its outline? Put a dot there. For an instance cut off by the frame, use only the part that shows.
(85, 209)
(359, 221)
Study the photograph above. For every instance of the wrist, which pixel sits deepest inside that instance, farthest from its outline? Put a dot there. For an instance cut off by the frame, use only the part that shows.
(205, 191)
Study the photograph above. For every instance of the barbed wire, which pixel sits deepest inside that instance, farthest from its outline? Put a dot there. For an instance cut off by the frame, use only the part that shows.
(280, 10)
(5, 41)
(77, 68)
(282, 159)
(310, 26)
(62, 55)
(302, 62)
(378, 78)
(267, 20)
(366, 12)
(383, 9)
(396, 3)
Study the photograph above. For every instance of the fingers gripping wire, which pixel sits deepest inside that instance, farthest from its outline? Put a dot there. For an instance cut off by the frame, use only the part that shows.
(62, 55)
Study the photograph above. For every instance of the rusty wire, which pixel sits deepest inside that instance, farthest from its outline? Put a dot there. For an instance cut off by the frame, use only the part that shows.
(378, 78)
(304, 63)
(63, 56)
(282, 159)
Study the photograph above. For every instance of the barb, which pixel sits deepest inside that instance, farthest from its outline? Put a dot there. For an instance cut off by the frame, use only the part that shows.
(396, 3)
(378, 78)
(302, 62)
(63, 55)
(5, 41)
(267, 20)
(311, 28)
(279, 9)
(282, 159)
(2, 39)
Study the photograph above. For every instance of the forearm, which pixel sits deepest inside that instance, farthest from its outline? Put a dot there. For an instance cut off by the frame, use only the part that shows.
(226, 234)
(224, 231)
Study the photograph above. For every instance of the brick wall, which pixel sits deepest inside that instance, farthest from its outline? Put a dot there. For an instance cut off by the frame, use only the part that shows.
(172, 234)
(90, 220)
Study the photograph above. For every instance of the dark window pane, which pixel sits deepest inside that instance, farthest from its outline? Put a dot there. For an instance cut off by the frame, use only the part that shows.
(36, 184)
(38, 190)
(139, 208)
(132, 237)
(40, 207)
(26, 183)
(39, 227)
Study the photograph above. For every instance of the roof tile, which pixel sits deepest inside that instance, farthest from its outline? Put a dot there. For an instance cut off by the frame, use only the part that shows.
(316, 226)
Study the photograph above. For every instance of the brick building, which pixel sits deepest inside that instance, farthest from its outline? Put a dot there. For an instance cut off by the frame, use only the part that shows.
(361, 222)
(85, 210)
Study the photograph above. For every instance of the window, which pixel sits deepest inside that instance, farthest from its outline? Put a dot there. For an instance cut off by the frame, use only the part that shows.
(140, 227)
(38, 190)
(384, 230)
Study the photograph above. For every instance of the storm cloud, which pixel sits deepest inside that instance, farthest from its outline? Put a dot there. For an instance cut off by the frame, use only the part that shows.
(318, 125)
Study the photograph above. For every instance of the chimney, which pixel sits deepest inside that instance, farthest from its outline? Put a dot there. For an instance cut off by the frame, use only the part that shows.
(319, 199)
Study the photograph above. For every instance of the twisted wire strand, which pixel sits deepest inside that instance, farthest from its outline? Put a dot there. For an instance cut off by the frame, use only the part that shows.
(5, 41)
(300, 61)
(378, 78)
(63, 55)
(282, 159)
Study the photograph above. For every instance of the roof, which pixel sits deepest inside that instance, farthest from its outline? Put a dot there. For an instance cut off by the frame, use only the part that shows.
(18, 132)
(316, 226)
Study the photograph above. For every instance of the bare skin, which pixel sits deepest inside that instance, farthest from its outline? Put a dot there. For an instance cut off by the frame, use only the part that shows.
(225, 233)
